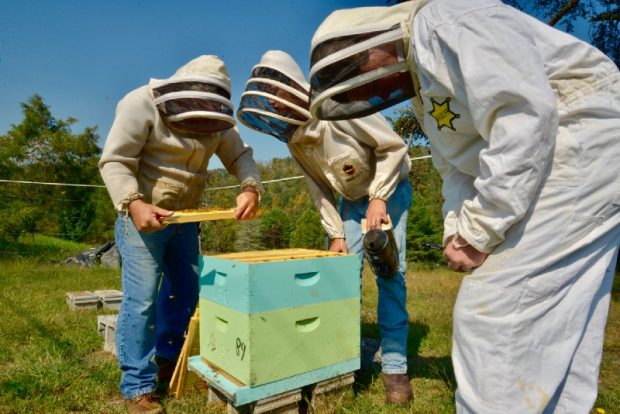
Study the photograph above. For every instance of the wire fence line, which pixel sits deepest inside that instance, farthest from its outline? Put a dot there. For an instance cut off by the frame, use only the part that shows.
(16, 253)
(55, 184)
(297, 177)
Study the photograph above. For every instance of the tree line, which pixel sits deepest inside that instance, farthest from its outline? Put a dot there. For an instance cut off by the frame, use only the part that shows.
(43, 149)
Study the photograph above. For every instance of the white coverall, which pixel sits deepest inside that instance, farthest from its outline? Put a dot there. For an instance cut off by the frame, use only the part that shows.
(524, 123)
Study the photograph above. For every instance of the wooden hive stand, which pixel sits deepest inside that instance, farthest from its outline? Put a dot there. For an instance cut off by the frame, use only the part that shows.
(296, 401)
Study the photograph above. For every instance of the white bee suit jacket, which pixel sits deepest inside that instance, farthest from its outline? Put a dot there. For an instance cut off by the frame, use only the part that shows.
(356, 158)
(496, 120)
(524, 125)
(144, 157)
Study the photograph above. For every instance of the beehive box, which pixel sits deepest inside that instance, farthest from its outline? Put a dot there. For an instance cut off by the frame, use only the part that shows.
(269, 315)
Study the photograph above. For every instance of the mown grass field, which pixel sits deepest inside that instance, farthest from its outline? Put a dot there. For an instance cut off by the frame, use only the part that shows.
(51, 358)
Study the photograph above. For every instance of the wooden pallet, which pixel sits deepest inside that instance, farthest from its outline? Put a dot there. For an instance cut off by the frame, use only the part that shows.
(286, 396)
(290, 402)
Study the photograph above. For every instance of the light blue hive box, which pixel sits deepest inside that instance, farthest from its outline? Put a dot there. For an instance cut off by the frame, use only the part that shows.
(272, 321)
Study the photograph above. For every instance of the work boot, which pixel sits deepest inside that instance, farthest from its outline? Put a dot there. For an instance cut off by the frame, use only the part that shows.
(397, 389)
(165, 369)
(144, 404)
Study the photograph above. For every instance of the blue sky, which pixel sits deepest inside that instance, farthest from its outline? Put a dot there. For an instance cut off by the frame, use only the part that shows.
(83, 56)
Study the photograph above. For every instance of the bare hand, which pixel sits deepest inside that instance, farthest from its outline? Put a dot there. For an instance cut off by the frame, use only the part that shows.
(247, 204)
(338, 246)
(376, 214)
(147, 217)
(461, 256)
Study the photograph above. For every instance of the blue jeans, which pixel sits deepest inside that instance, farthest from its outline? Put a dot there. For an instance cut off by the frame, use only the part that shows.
(392, 307)
(160, 293)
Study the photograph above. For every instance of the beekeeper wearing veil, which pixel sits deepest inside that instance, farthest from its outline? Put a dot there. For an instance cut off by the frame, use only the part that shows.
(366, 163)
(523, 122)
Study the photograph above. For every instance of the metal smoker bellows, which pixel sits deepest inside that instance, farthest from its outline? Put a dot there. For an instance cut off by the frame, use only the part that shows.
(381, 252)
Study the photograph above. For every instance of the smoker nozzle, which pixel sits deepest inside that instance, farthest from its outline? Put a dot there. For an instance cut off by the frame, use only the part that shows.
(434, 246)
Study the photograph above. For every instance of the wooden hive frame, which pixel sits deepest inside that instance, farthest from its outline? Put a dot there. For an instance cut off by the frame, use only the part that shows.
(196, 215)
(276, 255)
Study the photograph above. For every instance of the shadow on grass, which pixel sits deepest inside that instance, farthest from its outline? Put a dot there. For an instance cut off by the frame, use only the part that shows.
(439, 368)
(434, 368)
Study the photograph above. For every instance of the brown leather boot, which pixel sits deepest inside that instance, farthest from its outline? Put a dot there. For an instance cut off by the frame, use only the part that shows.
(144, 404)
(397, 389)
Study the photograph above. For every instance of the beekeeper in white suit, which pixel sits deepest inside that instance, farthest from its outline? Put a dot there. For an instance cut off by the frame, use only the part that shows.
(524, 124)
(155, 161)
(365, 162)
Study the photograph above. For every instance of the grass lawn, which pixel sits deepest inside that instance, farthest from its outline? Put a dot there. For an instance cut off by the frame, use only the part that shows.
(51, 358)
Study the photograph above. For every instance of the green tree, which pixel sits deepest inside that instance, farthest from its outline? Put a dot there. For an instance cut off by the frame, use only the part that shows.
(425, 222)
(43, 148)
(248, 236)
(102, 226)
(308, 232)
(407, 126)
(275, 229)
(218, 236)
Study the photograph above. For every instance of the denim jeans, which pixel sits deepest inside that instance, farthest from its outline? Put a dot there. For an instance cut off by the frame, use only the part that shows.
(160, 293)
(392, 307)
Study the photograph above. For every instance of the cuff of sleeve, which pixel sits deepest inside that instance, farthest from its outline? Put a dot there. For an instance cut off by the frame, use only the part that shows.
(123, 206)
(333, 236)
(449, 226)
(477, 240)
(260, 190)
(377, 197)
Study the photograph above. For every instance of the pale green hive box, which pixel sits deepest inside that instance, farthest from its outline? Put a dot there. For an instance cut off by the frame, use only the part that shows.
(273, 344)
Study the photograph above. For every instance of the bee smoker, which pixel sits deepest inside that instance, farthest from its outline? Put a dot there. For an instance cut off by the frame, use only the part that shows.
(381, 252)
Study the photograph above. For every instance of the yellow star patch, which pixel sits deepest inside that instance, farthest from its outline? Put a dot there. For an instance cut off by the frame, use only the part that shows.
(442, 114)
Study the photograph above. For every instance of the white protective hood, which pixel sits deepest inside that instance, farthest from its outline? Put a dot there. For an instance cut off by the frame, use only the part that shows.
(196, 98)
(275, 100)
(341, 85)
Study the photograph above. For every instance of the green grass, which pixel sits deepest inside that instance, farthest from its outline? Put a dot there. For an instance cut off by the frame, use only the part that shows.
(39, 248)
(51, 358)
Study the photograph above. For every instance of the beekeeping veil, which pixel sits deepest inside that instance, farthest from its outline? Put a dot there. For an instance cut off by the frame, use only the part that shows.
(196, 99)
(358, 62)
(275, 100)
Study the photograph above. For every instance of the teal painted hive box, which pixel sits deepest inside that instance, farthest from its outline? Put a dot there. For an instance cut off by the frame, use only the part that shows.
(261, 281)
(270, 315)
